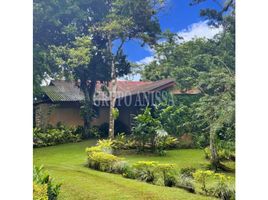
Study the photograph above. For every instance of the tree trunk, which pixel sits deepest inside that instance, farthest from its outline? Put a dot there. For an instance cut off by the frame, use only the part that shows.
(88, 90)
(213, 149)
(112, 93)
(86, 114)
(112, 104)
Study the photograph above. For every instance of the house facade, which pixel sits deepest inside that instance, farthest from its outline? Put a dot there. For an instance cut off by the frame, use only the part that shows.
(62, 102)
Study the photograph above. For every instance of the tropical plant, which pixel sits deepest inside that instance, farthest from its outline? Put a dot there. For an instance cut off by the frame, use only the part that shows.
(168, 173)
(222, 189)
(145, 171)
(145, 130)
(202, 177)
(42, 178)
(40, 191)
(187, 172)
(53, 136)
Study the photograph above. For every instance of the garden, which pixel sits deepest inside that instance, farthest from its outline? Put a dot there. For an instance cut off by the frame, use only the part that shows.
(149, 157)
(178, 147)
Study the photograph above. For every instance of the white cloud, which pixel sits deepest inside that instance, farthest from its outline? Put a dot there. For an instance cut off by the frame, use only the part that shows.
(196, 30)
(199, 30)
(145, 60)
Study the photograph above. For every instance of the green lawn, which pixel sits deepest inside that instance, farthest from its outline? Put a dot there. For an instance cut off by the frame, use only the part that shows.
(66, 164)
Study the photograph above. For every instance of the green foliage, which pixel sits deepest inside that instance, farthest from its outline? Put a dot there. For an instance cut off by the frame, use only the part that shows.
(145, 130)
(222, 189)
(42, 178)
(176, 120)
(164, 141)
(188, 171)
(102, 161)
(208, 65)
(102, 146)
(167, 171)
(115, 113)
(224, 153)
(100, 158)
(186, 183)
(145, 170)
(40, 191)
(122, 142)
(53, 136)
(202, 177)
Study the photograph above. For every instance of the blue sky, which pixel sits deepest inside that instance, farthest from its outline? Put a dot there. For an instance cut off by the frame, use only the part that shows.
(178, 16)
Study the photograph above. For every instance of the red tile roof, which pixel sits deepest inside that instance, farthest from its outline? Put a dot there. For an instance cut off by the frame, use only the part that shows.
(68, 91)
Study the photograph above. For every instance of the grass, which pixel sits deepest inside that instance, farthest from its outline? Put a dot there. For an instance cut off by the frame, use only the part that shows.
(66, 162)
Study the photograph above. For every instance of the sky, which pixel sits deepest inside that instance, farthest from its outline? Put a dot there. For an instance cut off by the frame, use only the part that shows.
(179, 17)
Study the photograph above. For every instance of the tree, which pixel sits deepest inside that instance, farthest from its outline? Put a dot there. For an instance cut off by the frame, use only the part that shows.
(72, 48)
(90, 55)
(208, 65)
(124, 21)
(57, 23)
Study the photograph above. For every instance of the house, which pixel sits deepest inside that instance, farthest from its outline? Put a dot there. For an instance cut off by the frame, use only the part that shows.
(62, 101)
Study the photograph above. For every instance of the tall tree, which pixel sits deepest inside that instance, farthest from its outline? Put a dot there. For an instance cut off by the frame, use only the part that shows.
(92, 55)
(208, 65)
(127, 20)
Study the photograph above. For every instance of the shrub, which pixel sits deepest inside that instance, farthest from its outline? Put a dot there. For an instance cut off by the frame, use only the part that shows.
(53, 136)
(42, 178)
(119, 167)
(222, 189)
(223, 154)
(187, 172)
(102, 146)
(121, 142)
(40, 192)
(201, 177)
(164, 141)
(185, 182)
(129, 172)
(145, 170)
(145, 130)
(105, 145)
(167, 171)
(102, 161)
(94, 132)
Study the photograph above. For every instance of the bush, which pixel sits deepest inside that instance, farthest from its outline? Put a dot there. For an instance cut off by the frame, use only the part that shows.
(222, 189)
(167, 171)
(223, 154)
(123, 142)
(145, 130)
(202, 177)
(145, 170)
(129, 172)
(42, 178)
(53, 136)
(40, 192)
(164, 141)
(186, 183)
(102, 161)
(120, 167)
(187, 172)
